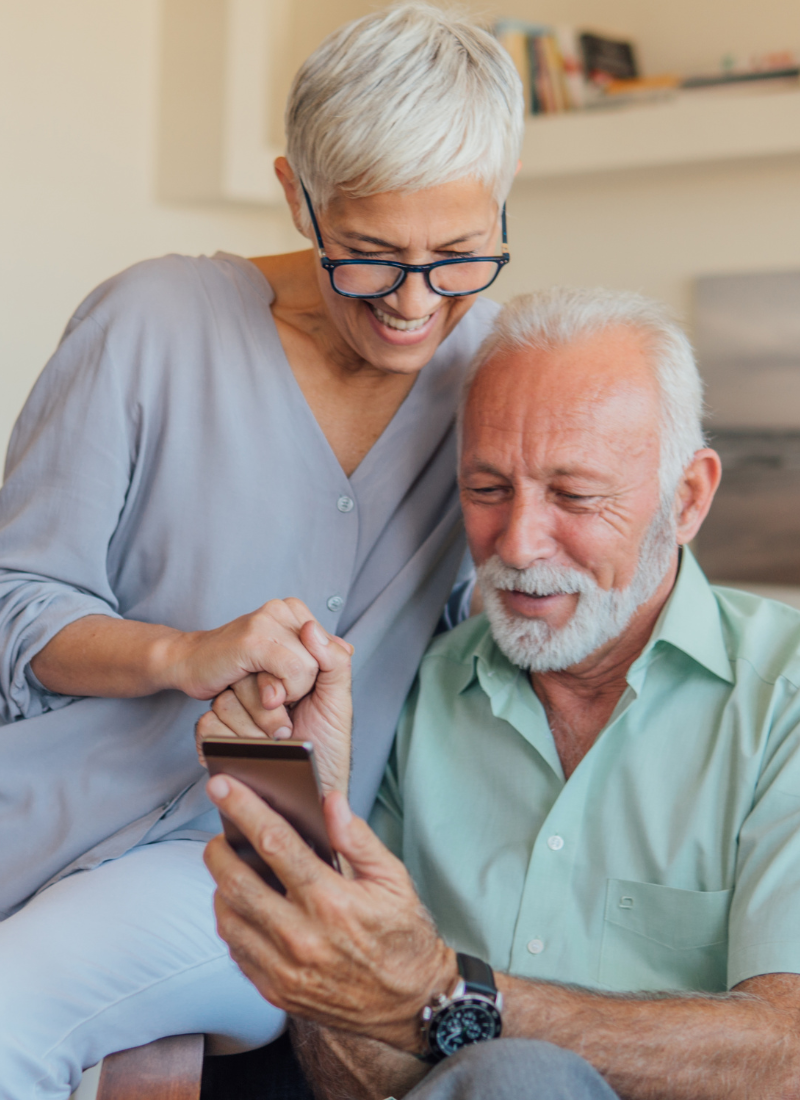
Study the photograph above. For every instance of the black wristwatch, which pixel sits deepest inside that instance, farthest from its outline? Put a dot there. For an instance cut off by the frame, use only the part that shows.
(470, 1014)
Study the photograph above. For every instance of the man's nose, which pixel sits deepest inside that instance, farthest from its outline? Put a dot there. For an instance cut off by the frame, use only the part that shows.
(414, 298)
(528, 535)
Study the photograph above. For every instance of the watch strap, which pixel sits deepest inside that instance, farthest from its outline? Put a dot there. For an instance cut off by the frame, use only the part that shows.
(478, 976)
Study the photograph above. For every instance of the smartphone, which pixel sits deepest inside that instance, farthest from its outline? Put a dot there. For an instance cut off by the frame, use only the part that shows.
(284, 774)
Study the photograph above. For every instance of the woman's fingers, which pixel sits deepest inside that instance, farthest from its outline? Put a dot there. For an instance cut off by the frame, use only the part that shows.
(203, 663)
(230, 710)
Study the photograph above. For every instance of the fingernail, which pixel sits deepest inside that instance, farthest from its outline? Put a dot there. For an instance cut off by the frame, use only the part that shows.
(269, 693)
(218, 787)
(320, 635)
(282, 733)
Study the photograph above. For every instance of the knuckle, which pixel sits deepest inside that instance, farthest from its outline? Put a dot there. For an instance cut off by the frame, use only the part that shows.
(275, 841)
(274, 609)
(223, 702)
(302, 944)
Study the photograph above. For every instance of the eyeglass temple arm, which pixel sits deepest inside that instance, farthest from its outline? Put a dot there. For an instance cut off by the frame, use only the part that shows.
(320, 245)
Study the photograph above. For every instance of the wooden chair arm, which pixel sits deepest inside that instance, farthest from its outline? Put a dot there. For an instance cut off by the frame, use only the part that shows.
(168, 1069)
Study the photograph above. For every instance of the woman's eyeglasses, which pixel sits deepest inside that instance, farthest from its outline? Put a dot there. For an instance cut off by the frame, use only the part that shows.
(377, 278)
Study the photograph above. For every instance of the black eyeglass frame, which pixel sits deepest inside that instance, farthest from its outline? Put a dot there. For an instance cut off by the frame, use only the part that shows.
(425, 269)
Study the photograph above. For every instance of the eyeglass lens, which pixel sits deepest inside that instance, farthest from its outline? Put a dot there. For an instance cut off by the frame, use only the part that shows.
(451, 278)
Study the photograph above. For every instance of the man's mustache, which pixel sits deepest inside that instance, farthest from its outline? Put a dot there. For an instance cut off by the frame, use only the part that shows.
(541, 579)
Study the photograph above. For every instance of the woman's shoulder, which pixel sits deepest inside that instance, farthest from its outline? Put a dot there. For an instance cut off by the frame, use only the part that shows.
(174, 290)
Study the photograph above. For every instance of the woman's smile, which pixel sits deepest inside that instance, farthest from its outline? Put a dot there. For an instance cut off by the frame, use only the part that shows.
(400, 331)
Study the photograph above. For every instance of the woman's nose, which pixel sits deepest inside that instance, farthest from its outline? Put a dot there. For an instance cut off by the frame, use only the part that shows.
(414, 298)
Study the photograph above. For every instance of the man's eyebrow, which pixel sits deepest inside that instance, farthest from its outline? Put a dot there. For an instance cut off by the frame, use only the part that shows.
(396, 248)
(581, 473)
(484, 468)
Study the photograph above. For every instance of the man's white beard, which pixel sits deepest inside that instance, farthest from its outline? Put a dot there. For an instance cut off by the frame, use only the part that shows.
(599, 615)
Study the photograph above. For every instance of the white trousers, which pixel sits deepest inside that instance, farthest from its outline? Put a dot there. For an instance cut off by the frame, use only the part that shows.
(113, 958)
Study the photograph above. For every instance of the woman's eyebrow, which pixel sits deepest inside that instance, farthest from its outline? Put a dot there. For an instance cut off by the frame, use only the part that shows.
(364, 239)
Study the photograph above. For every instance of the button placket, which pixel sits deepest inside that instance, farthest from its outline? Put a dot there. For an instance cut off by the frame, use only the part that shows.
(346, 527)
(540, 928)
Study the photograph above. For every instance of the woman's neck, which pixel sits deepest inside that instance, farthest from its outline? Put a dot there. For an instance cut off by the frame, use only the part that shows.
(352, 401)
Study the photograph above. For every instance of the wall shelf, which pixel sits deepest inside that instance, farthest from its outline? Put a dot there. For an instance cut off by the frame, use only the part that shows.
(692, 128)
(219, 59)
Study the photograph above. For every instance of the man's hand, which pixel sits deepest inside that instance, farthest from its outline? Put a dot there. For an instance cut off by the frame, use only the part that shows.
(260, 706)
(359, 954)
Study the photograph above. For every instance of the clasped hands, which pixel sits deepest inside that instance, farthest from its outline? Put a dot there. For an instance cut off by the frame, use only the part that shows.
(356, 952)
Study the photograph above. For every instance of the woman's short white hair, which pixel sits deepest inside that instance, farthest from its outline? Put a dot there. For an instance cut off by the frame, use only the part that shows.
(550, 319)
(405, 99)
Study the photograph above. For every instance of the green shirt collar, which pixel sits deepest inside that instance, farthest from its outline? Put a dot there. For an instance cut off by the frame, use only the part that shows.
(689, 621)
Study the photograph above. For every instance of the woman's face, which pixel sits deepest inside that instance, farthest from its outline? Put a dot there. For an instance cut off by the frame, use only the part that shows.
(400, 333)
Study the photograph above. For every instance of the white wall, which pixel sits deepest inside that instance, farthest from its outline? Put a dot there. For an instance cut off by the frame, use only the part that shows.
(78, 116)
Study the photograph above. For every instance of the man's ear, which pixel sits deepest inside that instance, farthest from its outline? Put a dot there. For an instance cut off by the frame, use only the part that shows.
(293, 193)
(696, 492)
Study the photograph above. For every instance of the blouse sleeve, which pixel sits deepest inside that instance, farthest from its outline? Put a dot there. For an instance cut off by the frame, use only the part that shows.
(67, 474)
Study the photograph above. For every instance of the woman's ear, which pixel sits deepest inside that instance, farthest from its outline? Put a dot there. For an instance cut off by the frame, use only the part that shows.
(293, 193)
(696, 492)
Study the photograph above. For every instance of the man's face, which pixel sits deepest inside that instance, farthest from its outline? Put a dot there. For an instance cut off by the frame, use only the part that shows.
(559, 477)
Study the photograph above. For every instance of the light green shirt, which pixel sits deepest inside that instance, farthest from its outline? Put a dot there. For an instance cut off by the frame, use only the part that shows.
(671, 857)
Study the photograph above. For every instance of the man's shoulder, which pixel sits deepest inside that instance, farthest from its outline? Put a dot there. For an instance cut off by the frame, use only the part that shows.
(761, 632)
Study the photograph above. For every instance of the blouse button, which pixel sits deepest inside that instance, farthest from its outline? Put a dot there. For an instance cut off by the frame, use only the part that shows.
(345, 504)
(335, 603)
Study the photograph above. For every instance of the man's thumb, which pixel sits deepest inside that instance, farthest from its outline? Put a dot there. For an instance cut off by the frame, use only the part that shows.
(352, 837)
(332, 654)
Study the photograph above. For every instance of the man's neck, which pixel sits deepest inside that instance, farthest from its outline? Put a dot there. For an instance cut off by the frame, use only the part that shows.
(580, 700)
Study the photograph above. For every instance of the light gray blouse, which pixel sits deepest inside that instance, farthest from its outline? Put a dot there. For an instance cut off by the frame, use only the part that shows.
(167, 468)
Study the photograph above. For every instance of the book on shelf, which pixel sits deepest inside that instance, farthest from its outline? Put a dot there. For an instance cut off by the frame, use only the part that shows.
(564, 68)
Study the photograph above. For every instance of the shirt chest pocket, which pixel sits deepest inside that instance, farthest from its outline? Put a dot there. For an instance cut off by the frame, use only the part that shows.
(660, 938)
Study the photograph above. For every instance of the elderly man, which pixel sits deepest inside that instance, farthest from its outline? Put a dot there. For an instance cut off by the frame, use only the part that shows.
(595, 787)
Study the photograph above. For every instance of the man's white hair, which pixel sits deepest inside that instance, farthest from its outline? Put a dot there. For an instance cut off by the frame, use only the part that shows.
(405, 99)
(550, 319)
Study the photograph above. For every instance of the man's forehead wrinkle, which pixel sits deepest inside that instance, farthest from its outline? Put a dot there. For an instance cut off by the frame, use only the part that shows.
(610, 389)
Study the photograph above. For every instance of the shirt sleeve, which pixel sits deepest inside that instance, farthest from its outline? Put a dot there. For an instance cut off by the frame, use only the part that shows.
(67, 475)
(764, 923)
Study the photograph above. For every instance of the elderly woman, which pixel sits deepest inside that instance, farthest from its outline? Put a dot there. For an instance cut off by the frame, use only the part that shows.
(213, 434)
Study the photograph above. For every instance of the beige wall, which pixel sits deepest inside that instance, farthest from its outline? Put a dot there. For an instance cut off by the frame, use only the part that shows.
(78, 114)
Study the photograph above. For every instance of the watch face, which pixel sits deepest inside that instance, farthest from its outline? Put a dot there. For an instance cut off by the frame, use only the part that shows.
(468, 1020)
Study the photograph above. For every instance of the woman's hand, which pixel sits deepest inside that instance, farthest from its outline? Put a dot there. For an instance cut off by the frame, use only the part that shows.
(259, 706)
(124, 659)
(203, 663)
